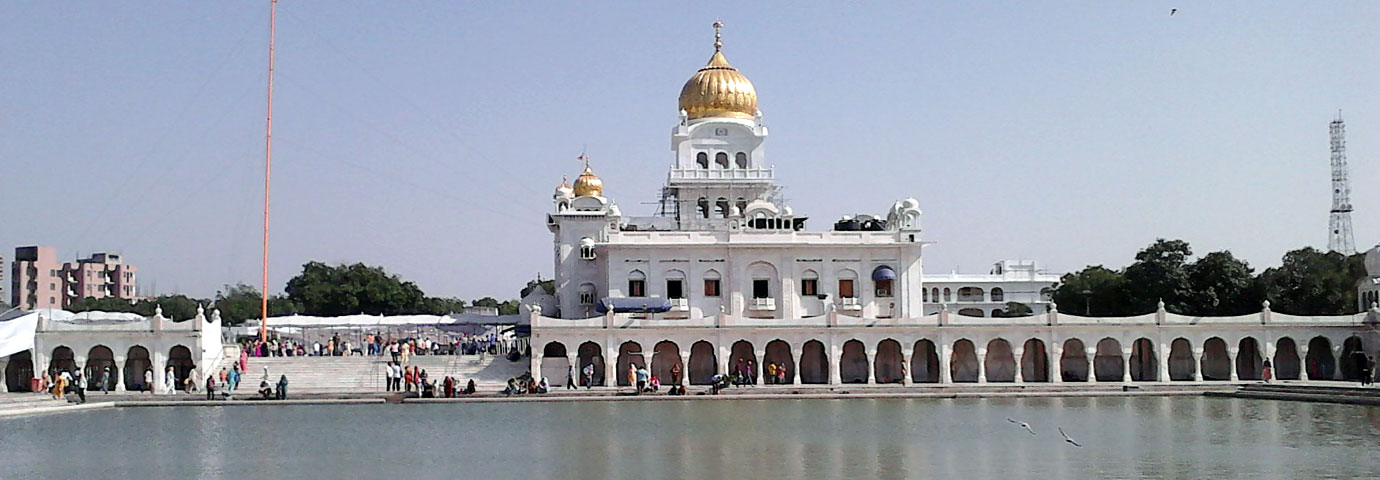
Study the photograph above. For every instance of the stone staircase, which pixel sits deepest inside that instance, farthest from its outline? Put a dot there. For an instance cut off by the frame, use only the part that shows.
(364, 373)
(29, 403)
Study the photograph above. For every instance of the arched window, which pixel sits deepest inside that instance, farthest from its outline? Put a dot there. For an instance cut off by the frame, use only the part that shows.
(675, 284)
(711, 283)
(741, 159)
(847, 281)
(925, 295)
(721, 207)
(587, 249)
(637, 284)
(742, 205)
(934, 294)
(721, 158)
(998, 295)
(970, 294)
(703, 206)
(883, 278)
(702, 159)
(809, 283)
(946, 294)
(588, 295)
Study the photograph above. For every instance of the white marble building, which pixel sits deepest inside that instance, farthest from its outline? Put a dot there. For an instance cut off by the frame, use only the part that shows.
(727, 275)
(1368, 289)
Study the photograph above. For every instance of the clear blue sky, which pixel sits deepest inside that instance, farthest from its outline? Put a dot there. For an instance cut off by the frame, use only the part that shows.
(427, 136)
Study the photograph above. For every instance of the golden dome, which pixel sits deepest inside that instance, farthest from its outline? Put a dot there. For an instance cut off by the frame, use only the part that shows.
(718, 90)
(588, 184)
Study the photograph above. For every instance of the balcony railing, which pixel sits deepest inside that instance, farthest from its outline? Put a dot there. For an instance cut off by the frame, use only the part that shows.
(680, 305)
(722, 173)
(768, 304)
(849, 303)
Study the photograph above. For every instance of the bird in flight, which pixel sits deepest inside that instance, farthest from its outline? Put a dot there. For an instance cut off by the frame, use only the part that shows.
(1024, 425)
(1172, 11)
(1067, 439)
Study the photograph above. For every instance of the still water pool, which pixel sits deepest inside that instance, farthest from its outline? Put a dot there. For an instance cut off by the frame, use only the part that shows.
(1123, 437)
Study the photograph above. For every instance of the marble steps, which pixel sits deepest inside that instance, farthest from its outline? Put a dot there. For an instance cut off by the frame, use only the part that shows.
(364, 373)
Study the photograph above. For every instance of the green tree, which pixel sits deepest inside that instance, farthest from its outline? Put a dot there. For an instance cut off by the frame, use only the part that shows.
(1160, 272)
(103, 304)
(1310, 282)
(243, 302)
(176, 307)
(327, 290)
(1222, 285)
(1014, 309)
(1096, 290)
(442, 306)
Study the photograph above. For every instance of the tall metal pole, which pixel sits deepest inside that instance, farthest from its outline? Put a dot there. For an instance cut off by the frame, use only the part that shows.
(268, 168)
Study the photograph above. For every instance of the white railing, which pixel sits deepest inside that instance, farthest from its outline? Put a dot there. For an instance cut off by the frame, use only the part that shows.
(849, 303)
(680, 305)
(763, 304)
(722, 174)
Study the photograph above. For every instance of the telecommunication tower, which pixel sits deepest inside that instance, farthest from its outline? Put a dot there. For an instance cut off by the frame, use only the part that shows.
(1339, 225)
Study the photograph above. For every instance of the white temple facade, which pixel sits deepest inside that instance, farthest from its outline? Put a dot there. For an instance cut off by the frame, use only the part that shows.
(727, 278)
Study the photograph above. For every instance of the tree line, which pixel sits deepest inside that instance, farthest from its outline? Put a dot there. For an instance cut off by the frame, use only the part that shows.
(319, 290)
(1308, 282)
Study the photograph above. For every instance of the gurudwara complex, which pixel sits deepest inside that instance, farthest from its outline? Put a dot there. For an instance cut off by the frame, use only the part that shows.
(727, 277)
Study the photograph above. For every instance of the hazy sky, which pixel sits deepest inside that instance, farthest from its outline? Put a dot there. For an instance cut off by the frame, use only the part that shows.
(427, 137)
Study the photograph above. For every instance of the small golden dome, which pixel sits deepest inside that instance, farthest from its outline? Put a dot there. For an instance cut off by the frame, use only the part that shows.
(588, 184)
(718, 90)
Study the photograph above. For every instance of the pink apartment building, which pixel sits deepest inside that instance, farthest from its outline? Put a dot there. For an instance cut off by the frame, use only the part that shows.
(39, 280)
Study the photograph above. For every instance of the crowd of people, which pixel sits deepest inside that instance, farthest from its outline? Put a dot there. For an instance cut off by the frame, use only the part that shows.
(378, 344)
(408, 379)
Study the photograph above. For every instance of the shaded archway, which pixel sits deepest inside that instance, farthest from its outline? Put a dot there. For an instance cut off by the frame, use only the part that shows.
(999, 362)
(814, 363)
(924, 363)
(137, 365)
(554, 364)
(1286, 361)
(1321, 365)
(744, 360)
(629, 353)
(886, 367)
(1181, 364)
(1145, 366)
(180, 359)
(853, 363)
(1353, 358)
(1073, 364)
(1249, 360)
(963, 366)
(1216, 365)
(19, 371)
(779, 353)
(703, 363)
(665, 360)
(1034, 360)
(591, 353)
(101, 367)
(63, 360)
(1107, 362)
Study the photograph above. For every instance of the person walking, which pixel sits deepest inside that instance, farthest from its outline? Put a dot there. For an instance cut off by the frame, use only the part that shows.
(675, 374)
(233, 379)
(282, 387)
(210, 387)
(570, 377)
(170, 380)
(105, 381)
(632, 376)
(589, 376)
(642, 377)
(771, 373)
(79, 386)
(148, 381)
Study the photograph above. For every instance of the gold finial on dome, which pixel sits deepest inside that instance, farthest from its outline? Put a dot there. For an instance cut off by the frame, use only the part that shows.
(588, 184)
(718, 89)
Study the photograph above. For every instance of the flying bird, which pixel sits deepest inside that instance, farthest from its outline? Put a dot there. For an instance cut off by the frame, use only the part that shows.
(1172, 11)
(1024, 425)
(1067, 439)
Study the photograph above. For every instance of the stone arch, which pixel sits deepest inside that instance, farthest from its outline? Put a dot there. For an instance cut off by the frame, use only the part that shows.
(886, 366)
(998, 295)
(721, 159)
(1145, 365)
(1107, 363)
(1319, 363)
(779, 353)
(1249, 360)
(180, 359)
(741, 159)
(1034, 360)
(1353, 359)
(591, 353)
(703, 363)
(702, 206)
(554, 364)
(963, 367)
(98, 359)
(814, 363)
(18, 371)
(1181, 364)
(629, 353)
(63, 360)
(137, 363)
(924, 363)
(1073, 364)
(1286, 362)
(1000, 362)
(853, 362)
(702, 160)
(1216, 365)
(744, 359)
(665, 359)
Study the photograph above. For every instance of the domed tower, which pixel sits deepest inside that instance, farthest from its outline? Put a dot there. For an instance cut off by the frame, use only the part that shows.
(1368, 288)
(720, 161)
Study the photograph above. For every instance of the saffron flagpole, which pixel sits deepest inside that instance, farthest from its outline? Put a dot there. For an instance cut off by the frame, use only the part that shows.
(268, 168)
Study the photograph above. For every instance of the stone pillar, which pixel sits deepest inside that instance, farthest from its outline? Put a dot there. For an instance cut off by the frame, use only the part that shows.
(1231, 361)
(1092, 364)
(835, 354)
(535, 365)
(724, 360)
(946, 354)
(871, 356)
(1056, 364)
(120, 376)
(4, 385)
(1126, 364)
(1197, 364)
(1017, 354)
(906, 357)
(685, 366)
(795, 376)
(759, 367)
(1303, 360)
(1163, 363)
(611, 373)
(574, 361)
(981, 353)
(160, 369)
